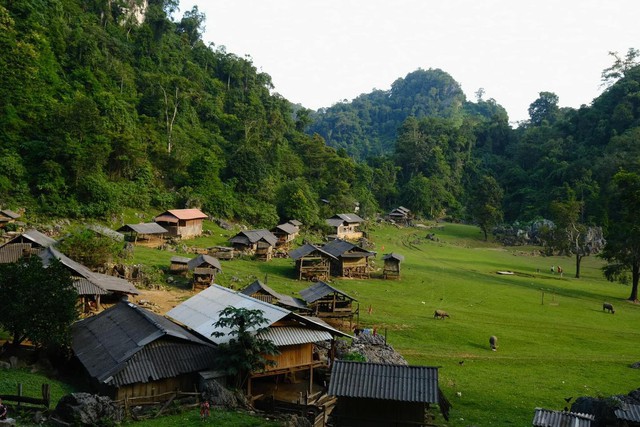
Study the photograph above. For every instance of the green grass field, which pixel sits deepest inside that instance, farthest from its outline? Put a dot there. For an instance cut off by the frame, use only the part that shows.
(554, 340)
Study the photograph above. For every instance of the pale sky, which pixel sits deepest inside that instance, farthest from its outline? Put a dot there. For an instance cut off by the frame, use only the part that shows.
(321, 52)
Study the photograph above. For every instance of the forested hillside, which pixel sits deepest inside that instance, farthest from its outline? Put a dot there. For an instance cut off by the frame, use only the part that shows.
(104, 106)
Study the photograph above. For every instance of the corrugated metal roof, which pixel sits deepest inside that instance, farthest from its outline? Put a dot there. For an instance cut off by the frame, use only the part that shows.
(547, 418)
(179, 259)
(203, 260)
(292, 335)
(349, 217)
(13, 252)
(393, 255)
(109, 283)
(107, 342)
(173, 215)
(106, 231)
(334, 222)
(253, 236)
(85, 287)
(295, 222)
(308, 249)
(144, 228)
(288, 228)
(202, 310)
(33, 236)
(628, 412)
(383, 381)
(9, 214)
(318, 290)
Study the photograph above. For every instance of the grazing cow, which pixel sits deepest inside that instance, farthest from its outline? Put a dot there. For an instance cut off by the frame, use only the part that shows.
(608, 307)
(440, 314)
(493, 342)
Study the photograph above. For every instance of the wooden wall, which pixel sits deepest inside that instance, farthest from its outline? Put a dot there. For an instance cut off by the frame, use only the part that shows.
(292, 355)
(378, 413)
(183, 383)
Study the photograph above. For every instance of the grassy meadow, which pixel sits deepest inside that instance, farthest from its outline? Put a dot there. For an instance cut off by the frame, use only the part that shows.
(554, 340)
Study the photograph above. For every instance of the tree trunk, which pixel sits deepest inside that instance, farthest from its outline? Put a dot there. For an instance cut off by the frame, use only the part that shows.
(635, 274)
(578, 260)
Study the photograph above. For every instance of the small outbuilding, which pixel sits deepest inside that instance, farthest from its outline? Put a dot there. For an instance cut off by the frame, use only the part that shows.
(345, 226)
(377, 395)
(147, 234)
(391, 268)
(182, 223)
(400, 215)
(204, 268)
(549, 418)
(312, 262)
(325, 301)
(128, 351)
(260, 243)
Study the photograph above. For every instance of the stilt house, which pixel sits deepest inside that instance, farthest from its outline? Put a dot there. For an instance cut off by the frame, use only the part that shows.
(325, 301)
(292, 333)
(400, 215)
(204, 268)
(260, 243)
(349, 260)
(182, 223)
(312, 262)
(285, 233)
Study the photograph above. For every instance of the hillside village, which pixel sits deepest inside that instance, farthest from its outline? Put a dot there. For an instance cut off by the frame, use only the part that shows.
(131, 351)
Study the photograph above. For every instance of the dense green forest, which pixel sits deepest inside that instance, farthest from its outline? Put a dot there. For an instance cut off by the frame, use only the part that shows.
(101, 109)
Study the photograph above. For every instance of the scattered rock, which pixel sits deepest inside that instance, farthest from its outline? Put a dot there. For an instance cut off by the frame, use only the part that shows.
(221, 397)
(372, 347)
(88, 409)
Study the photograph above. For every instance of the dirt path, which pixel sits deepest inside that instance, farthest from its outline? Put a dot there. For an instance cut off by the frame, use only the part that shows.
(161, 301)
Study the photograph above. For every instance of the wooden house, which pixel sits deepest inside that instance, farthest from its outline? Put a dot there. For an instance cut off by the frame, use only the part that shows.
(312, 262)
(147, 234)
(293, 334)
(549, 418)
(262, 292)
(295, 222)
(345, 226)
(380, 395)
(128, 351)
(182, 223)
(260, 243)
(286, 233)
(179, 264)
(31, 242)
(391, 268)
(204, 268)
(349, 260)
(400, 215)
(325, 301)
(94, 289)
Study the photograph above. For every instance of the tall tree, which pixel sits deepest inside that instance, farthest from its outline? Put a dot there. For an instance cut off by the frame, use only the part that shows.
(245, 352)
(486, 203)
(571, 236)
(545, 108)
(622, 251)
(38, 302)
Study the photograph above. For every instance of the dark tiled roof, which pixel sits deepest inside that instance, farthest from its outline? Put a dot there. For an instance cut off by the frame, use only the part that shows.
(308, 249)
(339, 248)
(547, 418)
(127, 344)
(319, 290)
(287, 300)
(203, 260)
(253, 236)
(384, 381)
(144, 228)
(288, 228)
(393, 255)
